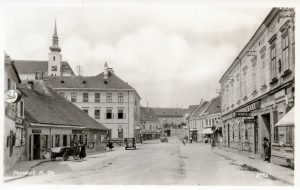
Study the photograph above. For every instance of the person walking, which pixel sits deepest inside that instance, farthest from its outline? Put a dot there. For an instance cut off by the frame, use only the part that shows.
(267, 148)
(183, 141)
(82, 153)
(213, 143)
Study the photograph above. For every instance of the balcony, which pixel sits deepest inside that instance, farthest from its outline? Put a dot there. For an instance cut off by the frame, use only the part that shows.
(286, 73)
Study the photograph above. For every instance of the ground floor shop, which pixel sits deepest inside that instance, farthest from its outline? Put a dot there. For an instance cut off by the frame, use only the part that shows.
(41, 138)
(245, 128)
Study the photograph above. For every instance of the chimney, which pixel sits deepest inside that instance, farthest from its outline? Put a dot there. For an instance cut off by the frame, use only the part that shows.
(105, 71)
(30, 84)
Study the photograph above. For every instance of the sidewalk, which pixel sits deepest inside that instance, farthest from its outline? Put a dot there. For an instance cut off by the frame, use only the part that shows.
(278, 172)
(23, 168)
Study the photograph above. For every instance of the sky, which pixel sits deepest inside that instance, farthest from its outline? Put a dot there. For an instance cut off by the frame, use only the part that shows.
(174, 56)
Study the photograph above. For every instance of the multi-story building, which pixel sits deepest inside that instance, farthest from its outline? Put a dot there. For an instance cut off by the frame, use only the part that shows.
(205, 119)
(105, 97)
(258, 88)
(151, 127)
(14, 145)
(170, 119)
(52, 121)
(37, 69)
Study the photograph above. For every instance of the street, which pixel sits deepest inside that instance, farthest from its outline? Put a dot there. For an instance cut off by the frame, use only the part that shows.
(152, 163)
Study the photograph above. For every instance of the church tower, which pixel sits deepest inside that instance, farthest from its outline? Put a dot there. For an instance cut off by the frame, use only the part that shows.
(54, 57)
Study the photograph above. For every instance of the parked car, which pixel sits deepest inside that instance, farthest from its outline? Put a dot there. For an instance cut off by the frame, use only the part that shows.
(129, 143)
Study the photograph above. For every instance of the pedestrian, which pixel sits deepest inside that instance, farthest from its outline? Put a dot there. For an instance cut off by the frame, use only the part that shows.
(82, 153)
(213, 143)
(267, 149)
(183, 141)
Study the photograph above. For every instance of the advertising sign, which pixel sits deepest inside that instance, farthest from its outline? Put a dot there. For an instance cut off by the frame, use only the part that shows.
(12, 96)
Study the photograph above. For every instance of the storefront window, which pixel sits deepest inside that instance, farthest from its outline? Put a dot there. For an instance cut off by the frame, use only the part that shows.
(44, 141)
(57, 140)
(289, 135)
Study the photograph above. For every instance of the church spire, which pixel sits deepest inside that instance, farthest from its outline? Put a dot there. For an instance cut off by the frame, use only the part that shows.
(54, 47)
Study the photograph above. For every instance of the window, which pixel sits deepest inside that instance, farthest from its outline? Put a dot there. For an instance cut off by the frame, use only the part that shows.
(285, 52)
(19, 137)
(57, 139)
(53, 58)
(21, 109)
(233, 132)
(109, 114)
(97, 114)
(120, 114)
(246, 133)
(120, 97)
(85, 97)
(206, 122)
(276, 135)
(150, 127)
(8, 84)
(108, 97)
(273, 61)
(54, 68)
(97, 97)
(73, 97)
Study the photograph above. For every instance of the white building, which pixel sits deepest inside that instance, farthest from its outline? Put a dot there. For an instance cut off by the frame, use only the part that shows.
(105, 97)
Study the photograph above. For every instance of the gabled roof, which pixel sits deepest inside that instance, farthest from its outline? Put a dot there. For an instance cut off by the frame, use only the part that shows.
(214, 106)
(199, 109)
(168, 112)
(45, 106)
(33, 66)
(98, 81)
(147, 114)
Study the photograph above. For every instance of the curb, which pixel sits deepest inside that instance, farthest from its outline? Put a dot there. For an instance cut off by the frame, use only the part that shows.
(253, 167)
(30, 168)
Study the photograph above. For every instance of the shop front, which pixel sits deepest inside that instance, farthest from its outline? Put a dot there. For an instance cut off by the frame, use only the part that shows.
(240, 131)
(42, 137)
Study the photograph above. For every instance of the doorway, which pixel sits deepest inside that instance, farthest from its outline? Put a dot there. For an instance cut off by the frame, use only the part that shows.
(266, 127)
(36, 147)
(228, 135)
(65, 140)
(255, 135)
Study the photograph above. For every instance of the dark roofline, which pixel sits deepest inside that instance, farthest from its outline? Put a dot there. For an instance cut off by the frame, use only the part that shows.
(16, 71)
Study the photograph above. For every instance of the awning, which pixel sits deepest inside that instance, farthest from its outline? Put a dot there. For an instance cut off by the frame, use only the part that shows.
(287, 119)
(207, 131)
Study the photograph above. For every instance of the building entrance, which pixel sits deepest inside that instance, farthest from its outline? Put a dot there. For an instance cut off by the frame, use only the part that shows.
(266, 127)
(36, 147)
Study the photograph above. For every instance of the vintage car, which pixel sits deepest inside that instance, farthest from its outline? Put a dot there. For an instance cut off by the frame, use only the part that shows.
(129, 143)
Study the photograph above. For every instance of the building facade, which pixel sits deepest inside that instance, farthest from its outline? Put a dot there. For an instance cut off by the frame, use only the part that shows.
(205, 120)
(151, 127)
(52, 121)
(170, 119)
(106, 98)
(258, 88)
(14, 147)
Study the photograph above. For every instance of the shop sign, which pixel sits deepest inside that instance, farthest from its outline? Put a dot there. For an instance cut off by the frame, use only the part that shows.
(280, 94)
(242, 114)
(249, 121)
(76, 132)
(12, 96)
(36, 131)
(227, 117)
(253, 106)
